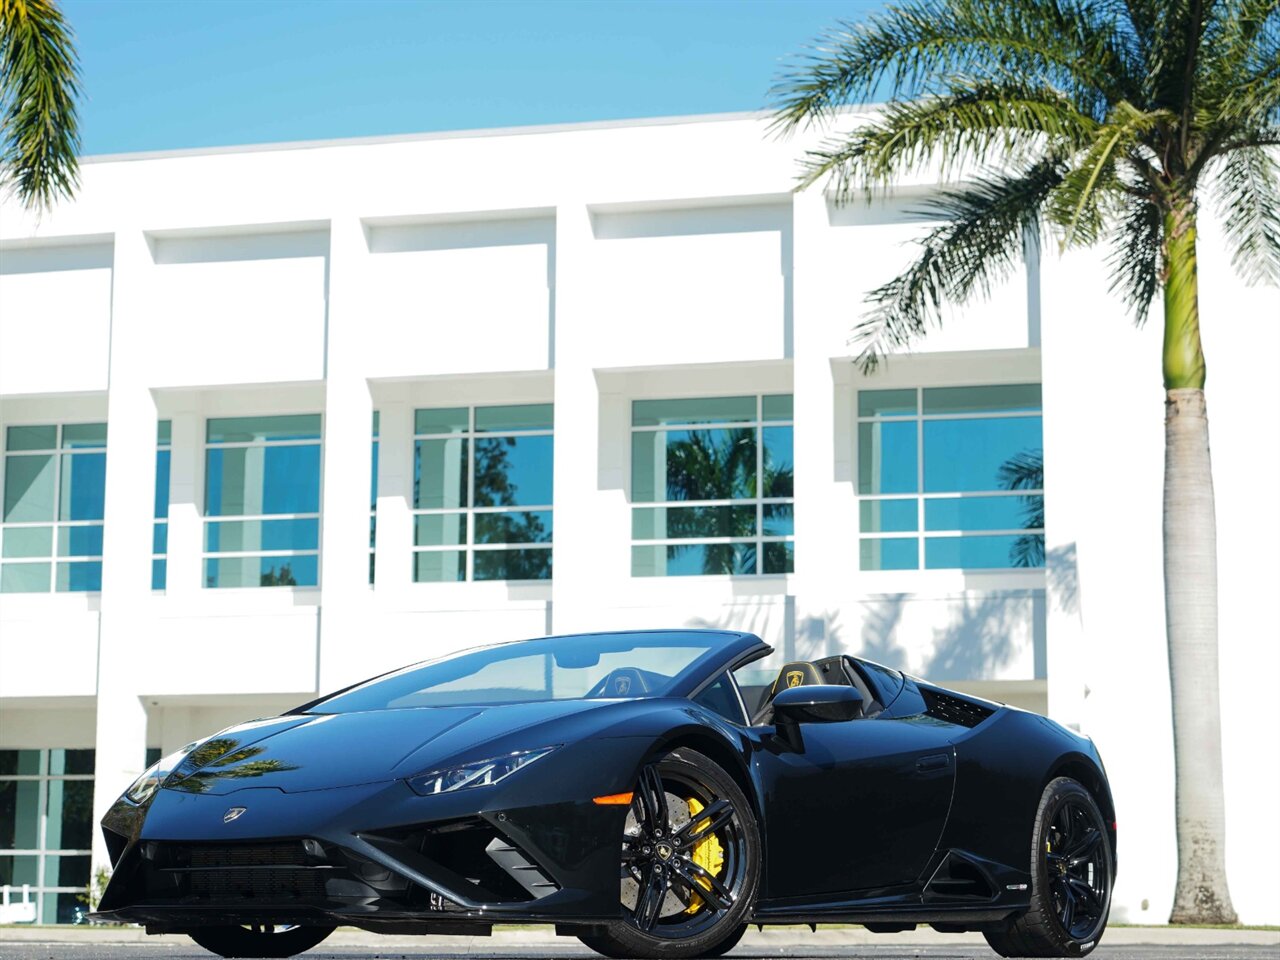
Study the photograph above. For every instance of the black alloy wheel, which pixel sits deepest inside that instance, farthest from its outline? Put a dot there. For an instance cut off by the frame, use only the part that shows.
(1071, 874)
(259, 939)
(1075, 861)
(690, 863)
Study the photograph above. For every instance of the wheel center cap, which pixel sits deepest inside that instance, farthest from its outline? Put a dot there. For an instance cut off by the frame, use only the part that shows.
(664, 851)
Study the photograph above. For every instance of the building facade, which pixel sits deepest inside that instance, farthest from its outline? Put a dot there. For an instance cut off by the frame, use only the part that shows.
(276, 419)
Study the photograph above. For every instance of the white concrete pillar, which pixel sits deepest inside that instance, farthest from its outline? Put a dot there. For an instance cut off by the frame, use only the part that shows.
(827, 613)
(185, 573)
(347, 463)
(126, 600)
(592, 540)
(393, 561)
(1106, 651)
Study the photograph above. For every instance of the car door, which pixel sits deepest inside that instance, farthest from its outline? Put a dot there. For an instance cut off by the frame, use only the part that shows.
(857, 806)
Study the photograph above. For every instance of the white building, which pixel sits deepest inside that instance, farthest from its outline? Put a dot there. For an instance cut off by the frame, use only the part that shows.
(233, 321)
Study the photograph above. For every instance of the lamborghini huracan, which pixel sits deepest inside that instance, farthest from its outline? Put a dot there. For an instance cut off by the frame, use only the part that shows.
(650, 793)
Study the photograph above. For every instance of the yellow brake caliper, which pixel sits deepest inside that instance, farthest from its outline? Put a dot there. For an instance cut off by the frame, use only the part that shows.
(707, 853)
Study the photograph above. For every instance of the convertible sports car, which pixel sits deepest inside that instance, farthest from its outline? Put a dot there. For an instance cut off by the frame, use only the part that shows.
(650, 793)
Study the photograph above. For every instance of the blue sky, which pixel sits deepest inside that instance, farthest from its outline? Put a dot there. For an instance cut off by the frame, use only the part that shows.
(160, 74)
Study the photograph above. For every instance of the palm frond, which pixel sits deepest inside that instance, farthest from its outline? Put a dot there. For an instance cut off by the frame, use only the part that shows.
(1248, 201)
(1176, 30)
(954, 130)
(1077, 205)
(980, 243)
(919, 47)
(39, 84)
(1135, 254)
(1241, 63)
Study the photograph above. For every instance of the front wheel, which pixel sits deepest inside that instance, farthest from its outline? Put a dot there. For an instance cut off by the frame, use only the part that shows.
(259, 940)
(1071, 874)
(689, 864)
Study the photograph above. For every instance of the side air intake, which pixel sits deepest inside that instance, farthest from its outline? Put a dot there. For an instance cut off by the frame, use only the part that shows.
(957, 710)
(958, 878)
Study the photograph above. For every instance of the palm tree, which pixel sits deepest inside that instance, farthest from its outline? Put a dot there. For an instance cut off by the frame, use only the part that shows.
(39, 84)
(1111, 120)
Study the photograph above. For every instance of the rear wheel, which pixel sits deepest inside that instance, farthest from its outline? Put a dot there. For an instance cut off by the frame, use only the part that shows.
(690, 863)
(1071, 875)
(259, 940)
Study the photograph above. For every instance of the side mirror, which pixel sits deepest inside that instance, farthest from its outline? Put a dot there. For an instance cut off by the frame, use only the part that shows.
(820, 703)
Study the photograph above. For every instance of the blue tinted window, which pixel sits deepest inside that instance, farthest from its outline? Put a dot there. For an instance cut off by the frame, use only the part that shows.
(778, 478)
(304, 426)
(979, 441)
(976, 552)
(249, 481)
(80, 541)
(80, 576)
(512, 565)
(653, 413)
(513, 471)
(889, 554)
(964, 455)
(983, 513)
(163, 459)
(263, 471)
(694, 559)
(751, 463)
(63, 490)
(476, 473)
(887, 457)
(295, 571)
(83, 484)
(693, 465)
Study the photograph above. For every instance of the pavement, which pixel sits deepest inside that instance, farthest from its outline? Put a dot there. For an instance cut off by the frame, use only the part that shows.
(792, 943)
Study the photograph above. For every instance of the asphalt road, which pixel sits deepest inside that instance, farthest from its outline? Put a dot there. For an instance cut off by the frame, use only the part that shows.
(178, 951)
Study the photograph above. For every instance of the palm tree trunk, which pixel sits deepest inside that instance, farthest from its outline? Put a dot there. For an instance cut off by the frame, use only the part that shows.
(1191, 592)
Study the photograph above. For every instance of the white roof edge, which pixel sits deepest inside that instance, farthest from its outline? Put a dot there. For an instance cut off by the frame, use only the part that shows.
(435, 135)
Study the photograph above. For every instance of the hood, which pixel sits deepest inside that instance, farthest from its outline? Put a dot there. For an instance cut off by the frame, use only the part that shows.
(305, 752)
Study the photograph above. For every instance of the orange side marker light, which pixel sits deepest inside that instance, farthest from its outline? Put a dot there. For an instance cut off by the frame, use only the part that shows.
(614, 800)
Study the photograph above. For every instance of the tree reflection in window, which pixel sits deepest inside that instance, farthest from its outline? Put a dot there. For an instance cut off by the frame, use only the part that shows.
(1025, 471)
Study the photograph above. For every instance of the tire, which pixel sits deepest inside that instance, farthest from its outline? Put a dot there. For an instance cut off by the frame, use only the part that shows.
(666, 915)
(725, 945)
(1070, 885)
(259, 940)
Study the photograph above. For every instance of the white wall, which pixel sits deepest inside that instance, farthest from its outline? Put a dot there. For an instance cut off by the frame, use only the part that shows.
(55, 305)
(209, 296)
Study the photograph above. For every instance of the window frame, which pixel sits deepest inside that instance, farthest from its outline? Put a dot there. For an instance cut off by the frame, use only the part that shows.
(164, 444)
(43, 778)
(744, 720)
(375, 452)
(206, 520)
(921, 534)
(469, 547)
(759, 502)
(55, 524)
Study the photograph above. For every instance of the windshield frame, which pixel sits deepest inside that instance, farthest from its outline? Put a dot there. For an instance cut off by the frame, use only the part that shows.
(723, 648)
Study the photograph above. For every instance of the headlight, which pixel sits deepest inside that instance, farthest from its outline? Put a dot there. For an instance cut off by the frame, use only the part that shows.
(141, 789)
(482, 773)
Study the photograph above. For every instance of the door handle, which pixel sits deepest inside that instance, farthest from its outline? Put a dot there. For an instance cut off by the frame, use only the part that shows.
(936, 761)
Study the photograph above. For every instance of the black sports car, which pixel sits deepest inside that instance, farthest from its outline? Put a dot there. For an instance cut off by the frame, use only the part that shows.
(650, 793)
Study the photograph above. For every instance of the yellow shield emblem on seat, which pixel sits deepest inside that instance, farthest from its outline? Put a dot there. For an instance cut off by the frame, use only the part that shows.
(795, 678)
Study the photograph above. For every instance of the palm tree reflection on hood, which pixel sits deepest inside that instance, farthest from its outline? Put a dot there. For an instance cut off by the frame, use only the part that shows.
(719, 465)
(218, 759)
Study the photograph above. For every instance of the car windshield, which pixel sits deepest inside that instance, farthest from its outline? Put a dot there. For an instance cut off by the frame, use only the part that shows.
(612, 666)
